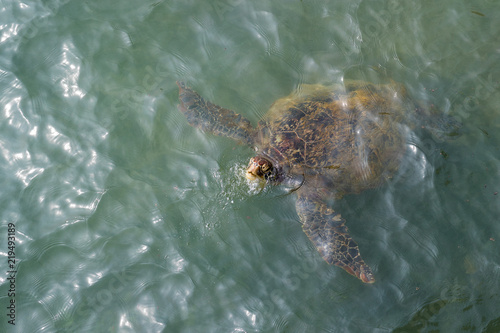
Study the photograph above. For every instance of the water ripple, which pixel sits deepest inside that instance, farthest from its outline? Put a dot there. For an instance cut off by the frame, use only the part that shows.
(128, 219)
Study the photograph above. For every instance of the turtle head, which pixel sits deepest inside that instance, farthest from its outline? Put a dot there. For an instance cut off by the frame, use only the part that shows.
(261, 168)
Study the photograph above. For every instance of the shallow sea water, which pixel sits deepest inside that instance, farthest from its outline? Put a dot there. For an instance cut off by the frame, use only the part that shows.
(129, 220)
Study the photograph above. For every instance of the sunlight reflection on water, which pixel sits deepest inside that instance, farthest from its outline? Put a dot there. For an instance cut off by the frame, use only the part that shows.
(128, 219)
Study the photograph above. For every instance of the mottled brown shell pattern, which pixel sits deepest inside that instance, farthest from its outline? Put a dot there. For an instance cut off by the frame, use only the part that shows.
(353, 136)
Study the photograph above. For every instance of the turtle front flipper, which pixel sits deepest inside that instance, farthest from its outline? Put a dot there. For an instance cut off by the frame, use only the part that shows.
(212, 118)
(327, 230)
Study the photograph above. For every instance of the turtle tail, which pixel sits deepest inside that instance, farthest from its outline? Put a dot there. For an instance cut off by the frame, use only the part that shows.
(212, 118)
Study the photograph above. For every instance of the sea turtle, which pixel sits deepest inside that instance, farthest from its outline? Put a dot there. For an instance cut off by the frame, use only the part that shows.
(331, 140)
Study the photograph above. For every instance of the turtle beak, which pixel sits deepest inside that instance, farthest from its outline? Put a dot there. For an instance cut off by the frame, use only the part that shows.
(253, 171)
(259, 169)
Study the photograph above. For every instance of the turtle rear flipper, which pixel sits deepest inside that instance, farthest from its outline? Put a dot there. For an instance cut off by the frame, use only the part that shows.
(441, 126)
(327, 230)
(213, 118)
(444, 127)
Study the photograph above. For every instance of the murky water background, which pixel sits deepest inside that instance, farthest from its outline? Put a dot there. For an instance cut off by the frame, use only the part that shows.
(129, 220)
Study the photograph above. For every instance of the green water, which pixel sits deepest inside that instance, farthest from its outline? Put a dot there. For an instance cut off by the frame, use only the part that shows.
(129, 220)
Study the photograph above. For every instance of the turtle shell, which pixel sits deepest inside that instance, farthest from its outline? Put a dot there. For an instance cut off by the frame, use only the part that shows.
(351, 134)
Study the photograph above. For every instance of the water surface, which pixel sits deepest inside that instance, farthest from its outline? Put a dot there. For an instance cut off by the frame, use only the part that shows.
(129, 220)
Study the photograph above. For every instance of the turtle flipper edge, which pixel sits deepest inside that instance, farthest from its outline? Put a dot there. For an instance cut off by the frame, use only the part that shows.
(213, 118)
(327, 230)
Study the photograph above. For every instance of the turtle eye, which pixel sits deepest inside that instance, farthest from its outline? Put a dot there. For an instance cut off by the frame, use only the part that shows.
(265, 165)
